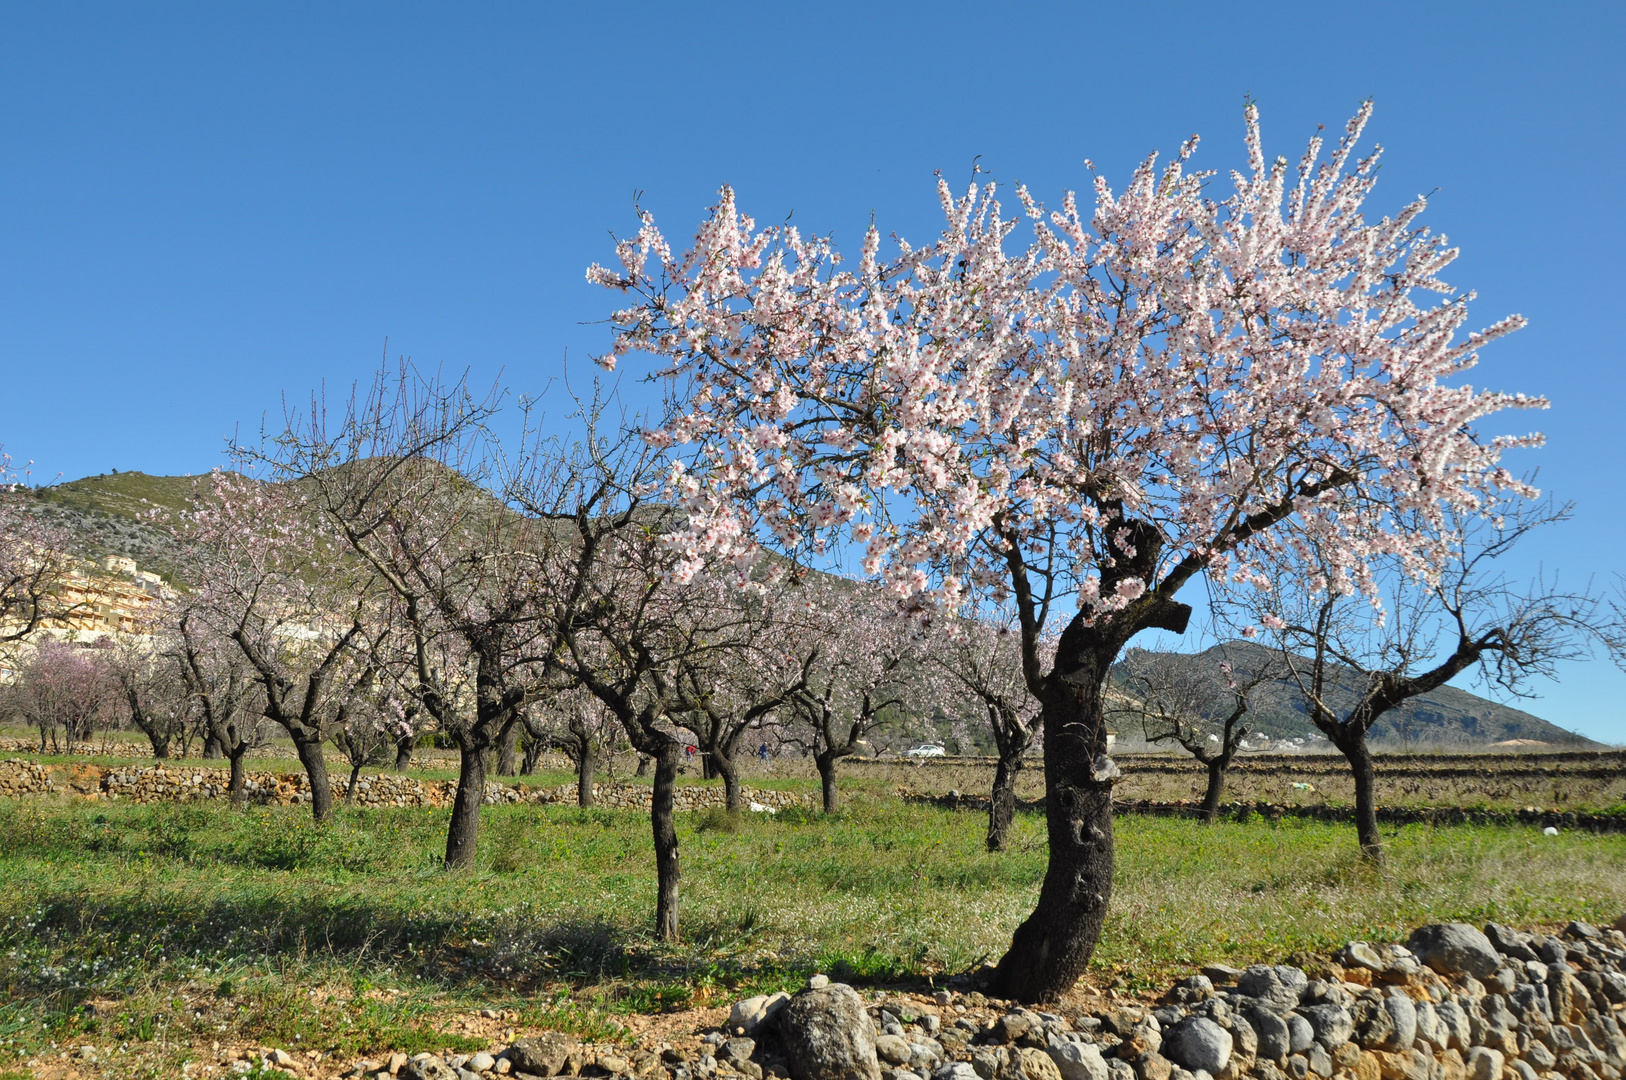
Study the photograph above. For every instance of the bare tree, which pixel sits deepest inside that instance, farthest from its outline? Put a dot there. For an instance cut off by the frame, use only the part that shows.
(226, 693)
(1200, 702)
(984, 659)
(1356, 657)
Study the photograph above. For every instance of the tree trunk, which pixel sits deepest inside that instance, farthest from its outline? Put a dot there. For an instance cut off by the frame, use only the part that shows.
(1002, 806)
(507, 750)
(212, 747)
(826, 763)
(533, 754)
(464, 831)
(350, 789)
(1216, 787)
(666, 844)
(160, 744)
(403, 752)
(1366, 806)
(730, 772)
(1052, 948)
(310, 756)
(239, 794)
(586, 766)
(643, 766)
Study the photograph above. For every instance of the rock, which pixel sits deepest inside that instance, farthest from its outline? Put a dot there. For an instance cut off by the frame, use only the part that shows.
(546, 1054)
(614, 1064)
(1581, 931)
(1455, 949)
(1300, 1035)
(1361, 955)
(1484, 1064)
(1030, 1064)
(396, 1063)
(1014, 1025)
(1319, 1060)
(1221, 974)
(755, 1011)
(818, 982)
(1524, 1070)
(481, 1062)
(1118, 1069)
(956, 1070)
(1332, 1024)
(1278, 987)
(1152, 1067)
(1509, 942)
(1367, 1067)
(1274, 1041)
(1403, 1016)
(1198, 1043)
(1189, 991)
(892, 1049)
(1453, 1024)
(1078, 1061)
(828, 1035)
(735, 1051)
(428, 1068)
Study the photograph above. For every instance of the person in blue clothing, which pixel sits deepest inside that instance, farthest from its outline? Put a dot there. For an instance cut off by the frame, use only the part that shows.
(762, 752)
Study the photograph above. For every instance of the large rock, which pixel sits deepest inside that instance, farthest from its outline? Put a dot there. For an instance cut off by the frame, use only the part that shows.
(828, 1035)
(1332, 1023)
(1277, 986)
(1455, 949)
(1484, 1064)
(1453, 1024)
(1198, 1043)
(1030, 1064)
(1509, 942)
(1403, 1018)
(547, 1054)
(1078, 1061)
(1301, 1036)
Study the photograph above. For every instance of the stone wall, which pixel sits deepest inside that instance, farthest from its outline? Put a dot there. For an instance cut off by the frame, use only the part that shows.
(155, 783)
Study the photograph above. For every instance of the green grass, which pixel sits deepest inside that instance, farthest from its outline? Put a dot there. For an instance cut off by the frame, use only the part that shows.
(185, 923)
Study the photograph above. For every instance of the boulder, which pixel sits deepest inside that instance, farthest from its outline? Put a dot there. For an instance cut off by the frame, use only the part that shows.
(1300, 1035)
(1078, 1061)
(1455, 949)
(1453, 1024)
(1274, 1041)
(1403, 1017)
(1510, 942)
(828, 1035)
(956, 1070)
(892, 1049)
(1198, 1043)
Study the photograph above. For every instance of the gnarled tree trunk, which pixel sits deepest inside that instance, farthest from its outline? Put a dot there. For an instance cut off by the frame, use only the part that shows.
(826, 760)
(463, 833)
(661, 820)
(1216, 787)
(507, 751)
(586, 766)
(309, 748)
(1359, 757)
(729, 770)
(1002, 805)
(239, 794)
(1052, 948)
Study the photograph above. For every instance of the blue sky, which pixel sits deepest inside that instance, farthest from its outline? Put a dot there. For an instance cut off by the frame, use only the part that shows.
(206, 207)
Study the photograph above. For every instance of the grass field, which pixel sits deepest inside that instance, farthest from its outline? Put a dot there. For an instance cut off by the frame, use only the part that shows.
(188, 925)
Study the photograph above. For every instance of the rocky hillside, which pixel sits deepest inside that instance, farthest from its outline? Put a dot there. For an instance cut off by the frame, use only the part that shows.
(117, 514)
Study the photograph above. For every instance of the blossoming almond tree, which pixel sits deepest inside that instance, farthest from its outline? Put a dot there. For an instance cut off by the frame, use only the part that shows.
(1164, 385)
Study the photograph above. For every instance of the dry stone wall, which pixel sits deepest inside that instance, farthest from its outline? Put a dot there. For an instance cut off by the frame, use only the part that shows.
(158, 783)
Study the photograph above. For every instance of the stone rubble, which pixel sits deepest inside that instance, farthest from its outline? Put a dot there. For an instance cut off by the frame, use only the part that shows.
(1454, 1003)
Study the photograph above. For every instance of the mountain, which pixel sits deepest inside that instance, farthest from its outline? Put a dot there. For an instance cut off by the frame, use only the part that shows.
(1449, 716)
(114, 514)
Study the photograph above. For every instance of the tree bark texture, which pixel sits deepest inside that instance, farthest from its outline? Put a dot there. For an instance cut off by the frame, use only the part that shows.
(507, 751)
(1052, 948)
(1366, 806)
(586, 766)
(1002, 804)
(239, 794)
(826, 762)
(212, 748)
(309, 748)
(661, 820)
(403, 753)
(463, 834)
(1216, 788)
(730, 772)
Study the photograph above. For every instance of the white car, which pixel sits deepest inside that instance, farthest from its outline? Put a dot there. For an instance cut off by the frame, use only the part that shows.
(924, 750)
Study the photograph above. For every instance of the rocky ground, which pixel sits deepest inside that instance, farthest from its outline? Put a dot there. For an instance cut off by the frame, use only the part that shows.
(1454, 1003)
